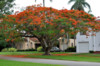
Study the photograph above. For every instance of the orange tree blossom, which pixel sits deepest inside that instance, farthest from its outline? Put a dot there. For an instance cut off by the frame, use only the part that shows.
(47, 24)
(8, 29)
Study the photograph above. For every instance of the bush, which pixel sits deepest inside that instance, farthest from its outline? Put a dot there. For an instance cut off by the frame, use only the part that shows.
(40, 49)
(9, 50)
(12, 49)
(4, 50)
(71, 49)
(28, 50)
(3, 44)
(91, 51)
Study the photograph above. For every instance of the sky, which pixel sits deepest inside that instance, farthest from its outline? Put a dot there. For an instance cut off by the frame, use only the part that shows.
(58, 4)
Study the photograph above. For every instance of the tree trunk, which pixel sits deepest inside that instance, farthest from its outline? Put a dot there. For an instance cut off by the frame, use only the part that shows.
(43, 3)
(47, 51)
(46, 46)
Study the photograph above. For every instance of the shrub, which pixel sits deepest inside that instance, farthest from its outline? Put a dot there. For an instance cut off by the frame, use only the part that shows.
(12, 49)
(71, 49)
(9, 50)
(91, 51)
(3, 44)
(28, 50)
(4, 50)
(40, 49)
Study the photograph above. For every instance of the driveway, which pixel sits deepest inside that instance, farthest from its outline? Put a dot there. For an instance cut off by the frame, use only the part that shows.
(49, 61)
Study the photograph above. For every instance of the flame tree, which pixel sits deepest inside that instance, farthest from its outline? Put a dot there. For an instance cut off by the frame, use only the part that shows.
(48, 24)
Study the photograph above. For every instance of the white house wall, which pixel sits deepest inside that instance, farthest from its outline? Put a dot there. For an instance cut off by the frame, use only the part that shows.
(63, 46)
(97, 42)
(91, 43)
(83, 38)
(94, 41)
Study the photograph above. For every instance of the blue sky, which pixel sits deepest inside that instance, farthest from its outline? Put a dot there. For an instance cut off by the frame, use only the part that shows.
(58, 4)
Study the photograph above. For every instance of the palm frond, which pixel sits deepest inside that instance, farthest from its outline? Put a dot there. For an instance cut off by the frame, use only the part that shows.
(86, 4)
(81, 7)
(71, 1)
(74, 6)
(79, 4)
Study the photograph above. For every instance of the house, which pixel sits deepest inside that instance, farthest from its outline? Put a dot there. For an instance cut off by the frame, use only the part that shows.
(86, 44)
(33, 43)
(63, 43)
(28, 43)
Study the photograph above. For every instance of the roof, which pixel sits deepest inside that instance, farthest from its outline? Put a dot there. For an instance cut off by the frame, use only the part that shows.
(98, 19)
(34, 39)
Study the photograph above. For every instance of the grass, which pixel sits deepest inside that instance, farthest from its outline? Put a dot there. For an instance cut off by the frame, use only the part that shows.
(27, 53)
(73, 57)
(19, 53)
(17, 63)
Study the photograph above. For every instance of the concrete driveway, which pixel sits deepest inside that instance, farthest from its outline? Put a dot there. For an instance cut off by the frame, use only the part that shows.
(49, 61)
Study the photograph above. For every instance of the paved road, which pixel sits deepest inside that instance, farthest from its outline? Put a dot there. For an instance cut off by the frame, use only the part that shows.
(49, 61)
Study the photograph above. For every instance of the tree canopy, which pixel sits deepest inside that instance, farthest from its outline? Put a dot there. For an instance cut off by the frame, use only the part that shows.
(5, 6)
(47, 24)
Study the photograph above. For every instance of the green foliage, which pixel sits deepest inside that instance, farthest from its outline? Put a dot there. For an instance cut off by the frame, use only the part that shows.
(40, 49)
(3, 43)
(12, 49)
(71, 49)
(92, 15)
(5, 5)
(91, 51)
(9, 50)
(80, 5)
(5, 50)
(28, 50)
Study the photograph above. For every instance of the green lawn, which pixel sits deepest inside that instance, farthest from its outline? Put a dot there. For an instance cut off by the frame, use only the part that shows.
(17, 63)
(74, 57)
(19, 53)
(27, 53)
